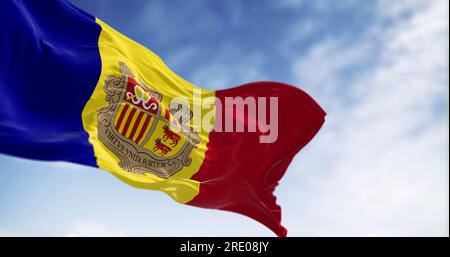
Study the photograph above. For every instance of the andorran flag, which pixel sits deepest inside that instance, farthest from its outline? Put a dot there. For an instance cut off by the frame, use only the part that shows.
(74, 89)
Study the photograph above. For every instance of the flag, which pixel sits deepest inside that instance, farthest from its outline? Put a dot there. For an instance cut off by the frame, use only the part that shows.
(74, 89)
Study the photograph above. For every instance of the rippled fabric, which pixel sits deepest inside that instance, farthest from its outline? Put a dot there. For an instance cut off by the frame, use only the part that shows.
(56, 61)
(49, 67)
(239, 174)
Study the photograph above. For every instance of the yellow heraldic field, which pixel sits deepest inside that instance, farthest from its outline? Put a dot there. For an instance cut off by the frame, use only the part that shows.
(129, 118)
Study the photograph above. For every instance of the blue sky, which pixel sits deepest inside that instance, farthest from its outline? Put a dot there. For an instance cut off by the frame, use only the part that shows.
(379, 166)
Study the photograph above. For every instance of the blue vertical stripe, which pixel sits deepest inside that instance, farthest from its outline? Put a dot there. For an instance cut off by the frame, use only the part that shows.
(49, 66)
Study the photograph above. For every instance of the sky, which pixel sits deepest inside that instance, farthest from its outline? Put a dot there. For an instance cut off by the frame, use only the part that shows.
(378, 167)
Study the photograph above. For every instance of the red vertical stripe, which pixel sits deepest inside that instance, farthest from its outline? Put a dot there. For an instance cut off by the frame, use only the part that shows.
(144, 127)
(122, 114)
(239, 173)
(167, 115)
(127, 124)
(136, 125)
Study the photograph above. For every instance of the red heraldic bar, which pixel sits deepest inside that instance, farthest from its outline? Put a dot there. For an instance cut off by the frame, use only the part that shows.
(239, 173)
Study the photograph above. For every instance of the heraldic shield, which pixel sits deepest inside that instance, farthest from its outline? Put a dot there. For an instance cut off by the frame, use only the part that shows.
(146, 136)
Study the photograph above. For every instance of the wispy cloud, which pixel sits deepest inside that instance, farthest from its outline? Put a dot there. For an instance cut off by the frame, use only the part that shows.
(94, 229)
(230, 66)
(379, 166)
(385, 142)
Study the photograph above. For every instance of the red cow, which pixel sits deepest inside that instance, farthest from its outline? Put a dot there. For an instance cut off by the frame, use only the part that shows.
(169, 134)
(162, 147)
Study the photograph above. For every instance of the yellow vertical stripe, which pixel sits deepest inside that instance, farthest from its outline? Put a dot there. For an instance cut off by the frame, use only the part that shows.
(124, 121)
(138, 130)
(118, 114)
(133, 120)
(149, 68)
(146, 130)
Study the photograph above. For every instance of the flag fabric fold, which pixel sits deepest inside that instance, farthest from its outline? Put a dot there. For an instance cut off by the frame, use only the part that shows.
(239, 174)
(74, 89)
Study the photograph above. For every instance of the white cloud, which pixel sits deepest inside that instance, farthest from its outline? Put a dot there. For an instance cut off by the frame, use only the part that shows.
(230, 67)
(378, 167)
(384, 147)
(181, 56)
(317, 5)
(154, 15)
(94, 229)
(321, 71)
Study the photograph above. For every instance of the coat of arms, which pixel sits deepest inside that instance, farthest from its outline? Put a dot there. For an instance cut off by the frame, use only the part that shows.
(143, 134)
